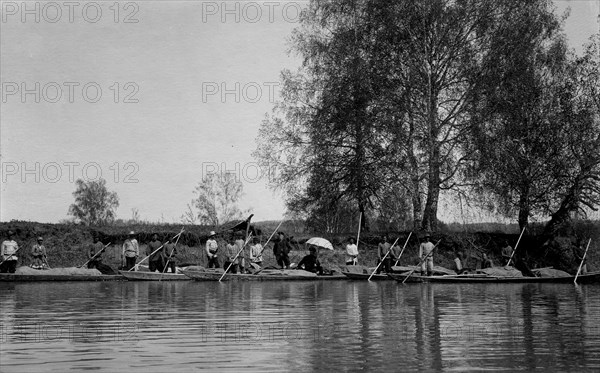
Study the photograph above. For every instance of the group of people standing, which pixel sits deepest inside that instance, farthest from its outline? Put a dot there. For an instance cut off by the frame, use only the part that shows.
(9, 259)
(161, 256)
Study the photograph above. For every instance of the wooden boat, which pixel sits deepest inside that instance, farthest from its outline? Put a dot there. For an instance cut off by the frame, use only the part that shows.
(264, 275)
(593, 277)
(13, 277)
(153, 276)
(363, 273)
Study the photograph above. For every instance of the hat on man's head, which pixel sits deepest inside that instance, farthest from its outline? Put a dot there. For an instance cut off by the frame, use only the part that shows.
(131, 233)
(10, 233)
(212, 233)
(40, 238)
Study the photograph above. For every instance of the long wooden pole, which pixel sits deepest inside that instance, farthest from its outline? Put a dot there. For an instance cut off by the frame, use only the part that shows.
(515, 249)
(403, 247)
(271, 236)
(582, 260)
(95, 255)
(385, 256)
(421, 262)
(358, 236)
(161, 246)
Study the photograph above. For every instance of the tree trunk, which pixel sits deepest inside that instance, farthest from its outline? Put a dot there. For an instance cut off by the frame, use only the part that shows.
(569, 204)
(433, 174)
(524, 209)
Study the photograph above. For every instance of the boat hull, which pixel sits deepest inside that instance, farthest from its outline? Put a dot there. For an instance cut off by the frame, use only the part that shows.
(11, 277)
(153, 276)
(476, 278)
(270, 276)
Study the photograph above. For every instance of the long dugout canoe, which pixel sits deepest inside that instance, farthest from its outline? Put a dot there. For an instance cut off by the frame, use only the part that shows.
(593, 277)
(153, 276)
(265, 275)
(13, 277)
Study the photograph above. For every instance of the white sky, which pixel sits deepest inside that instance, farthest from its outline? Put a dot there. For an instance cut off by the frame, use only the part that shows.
(177, 51)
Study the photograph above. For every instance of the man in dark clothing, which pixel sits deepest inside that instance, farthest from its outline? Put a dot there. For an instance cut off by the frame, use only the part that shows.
(156, 256)
(95, 248)
(281, 250)
(170, 251)
(310, 262)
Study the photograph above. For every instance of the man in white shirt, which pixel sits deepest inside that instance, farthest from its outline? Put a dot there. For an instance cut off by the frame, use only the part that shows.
(9, 259)
(131, 250)
(426, 255)
(351, 252)
(256, 252)
(212, 247)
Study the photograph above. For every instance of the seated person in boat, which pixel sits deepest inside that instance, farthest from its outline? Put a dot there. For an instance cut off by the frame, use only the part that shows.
(351, 252)
(310, 262)
(486, 262)
(506, 253)
(95, 253)
(212, 247)
(157, 253)
(230, 253)
(9, 259)
(382, 250)
(170, 256)
(458, 263)
(256, 252)
(38, 252)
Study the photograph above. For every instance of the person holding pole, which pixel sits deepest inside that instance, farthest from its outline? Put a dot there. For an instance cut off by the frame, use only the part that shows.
(351, 252)
(240, 247)
(281, 249)
(131, 251)
(230, 254)
(170, 252)
(212, 247)
(9, 259)
(38, 252)
(95, 253)
(384, 259)
(426, 255)
(155, 260)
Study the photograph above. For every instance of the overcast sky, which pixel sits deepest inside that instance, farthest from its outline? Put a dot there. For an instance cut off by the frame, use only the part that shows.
(151, 94)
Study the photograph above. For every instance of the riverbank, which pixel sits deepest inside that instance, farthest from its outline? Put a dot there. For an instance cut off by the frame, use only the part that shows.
(67, 245)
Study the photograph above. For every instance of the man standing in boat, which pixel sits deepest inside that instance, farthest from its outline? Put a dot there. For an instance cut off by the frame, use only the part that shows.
(382, 250)
(230, 253)
(212, 247)
(155, 261)
(426, 255)
(506, 252)
(240, 248)
(131, 250)
(281, 250)
(95, 248)
(351, 252)
(170, 252)
(38, 252)
(9, 259)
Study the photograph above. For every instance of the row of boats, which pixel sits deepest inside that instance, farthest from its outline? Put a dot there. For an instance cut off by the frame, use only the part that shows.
(400, 274)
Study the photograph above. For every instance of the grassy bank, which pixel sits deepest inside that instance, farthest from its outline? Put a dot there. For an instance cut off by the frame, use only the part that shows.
(67, 245)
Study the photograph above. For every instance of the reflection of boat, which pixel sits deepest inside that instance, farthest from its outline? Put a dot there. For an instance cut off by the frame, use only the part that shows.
(486, 278)
(202, 274)
(153, 276)
(10, 277)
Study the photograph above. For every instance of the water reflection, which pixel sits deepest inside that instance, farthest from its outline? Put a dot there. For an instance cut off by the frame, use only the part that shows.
(285, 326)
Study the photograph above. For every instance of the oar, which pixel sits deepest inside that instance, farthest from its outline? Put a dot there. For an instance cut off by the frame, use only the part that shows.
(421, 262)
(95, 255)
(515, 249)
(582, 260)
(169, 258)
(236, 256)
(385, 256)
(9, 256)
(161, 246)
(404, 247)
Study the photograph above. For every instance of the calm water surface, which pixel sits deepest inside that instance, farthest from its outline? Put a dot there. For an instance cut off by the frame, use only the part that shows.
(307, 326)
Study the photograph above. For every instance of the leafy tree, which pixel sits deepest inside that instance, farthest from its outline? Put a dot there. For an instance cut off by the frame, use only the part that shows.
(217, 198)
(94, 203)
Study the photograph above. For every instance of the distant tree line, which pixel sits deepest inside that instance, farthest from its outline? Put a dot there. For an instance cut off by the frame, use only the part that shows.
(396, 102)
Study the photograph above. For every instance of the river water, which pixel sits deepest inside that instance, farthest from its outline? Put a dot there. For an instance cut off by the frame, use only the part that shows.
(298, 326)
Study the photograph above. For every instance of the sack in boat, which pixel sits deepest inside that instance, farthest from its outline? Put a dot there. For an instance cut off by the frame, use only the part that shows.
(502, 272)
(59, 271)
(549, 272)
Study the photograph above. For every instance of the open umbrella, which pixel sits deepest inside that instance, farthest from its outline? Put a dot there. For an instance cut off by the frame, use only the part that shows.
(320, 242)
